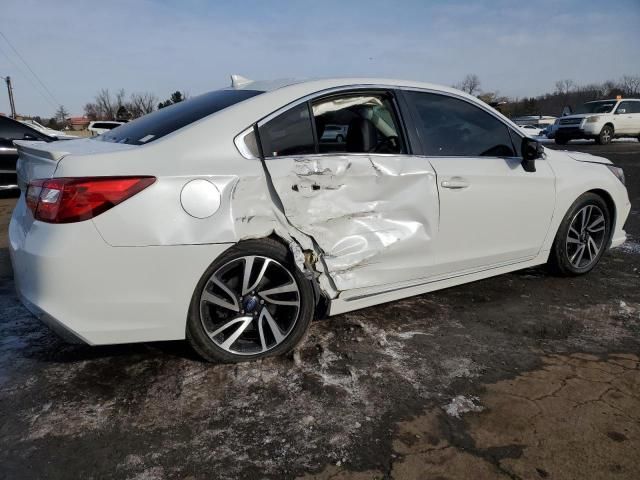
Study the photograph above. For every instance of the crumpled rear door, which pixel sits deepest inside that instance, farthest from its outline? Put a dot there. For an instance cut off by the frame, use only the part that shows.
(373, 216)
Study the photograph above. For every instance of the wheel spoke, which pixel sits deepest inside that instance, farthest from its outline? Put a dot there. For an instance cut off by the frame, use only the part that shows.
(246, 288)
(287, 288)
(592, 244)
(574, 232)
(579, 254)
(273, 326)
(572, 240)
(586, 214)
(234, 336)
(211, 298)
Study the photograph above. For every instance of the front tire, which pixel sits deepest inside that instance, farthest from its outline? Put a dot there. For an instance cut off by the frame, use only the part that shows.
(606, 135)
(252, 302)
(582, 237)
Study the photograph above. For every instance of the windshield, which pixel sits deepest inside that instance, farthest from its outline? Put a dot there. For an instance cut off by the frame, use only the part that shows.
(597, 107)
(169, 119)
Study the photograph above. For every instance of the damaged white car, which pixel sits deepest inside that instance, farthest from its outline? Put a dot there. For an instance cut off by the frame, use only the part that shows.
(231, 219)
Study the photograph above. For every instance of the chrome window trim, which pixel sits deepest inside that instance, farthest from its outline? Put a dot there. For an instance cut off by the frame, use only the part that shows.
(239, 138)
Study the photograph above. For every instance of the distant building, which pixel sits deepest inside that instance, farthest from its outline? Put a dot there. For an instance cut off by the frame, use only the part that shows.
(537, 120)
(78, 123)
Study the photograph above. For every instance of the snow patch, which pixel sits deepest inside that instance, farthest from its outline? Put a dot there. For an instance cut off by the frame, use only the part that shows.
(461, 404)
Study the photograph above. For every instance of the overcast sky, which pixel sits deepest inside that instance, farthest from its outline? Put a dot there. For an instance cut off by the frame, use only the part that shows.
(518, 48)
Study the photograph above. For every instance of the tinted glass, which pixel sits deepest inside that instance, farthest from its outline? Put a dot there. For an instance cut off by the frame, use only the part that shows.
(290, 133)
(451, 127)
(357, 123)
(169, 119)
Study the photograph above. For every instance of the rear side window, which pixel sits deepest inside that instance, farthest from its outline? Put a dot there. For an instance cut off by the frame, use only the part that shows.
(290, 133)
(167, 120)
(451, 127)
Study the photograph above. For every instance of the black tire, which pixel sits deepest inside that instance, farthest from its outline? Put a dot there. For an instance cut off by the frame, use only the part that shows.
(560, 256)
(606, 135)
(561, 140)
(203, 344)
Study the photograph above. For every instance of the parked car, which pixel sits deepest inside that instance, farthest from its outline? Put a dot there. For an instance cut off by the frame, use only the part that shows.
(602, 121)
(103, 126)
(334, 133)
(550, 130)
(11, 130)
(530, 130)
(48, 131)
(223, 220)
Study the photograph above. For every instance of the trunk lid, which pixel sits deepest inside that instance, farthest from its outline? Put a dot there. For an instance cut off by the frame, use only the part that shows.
(40, 159)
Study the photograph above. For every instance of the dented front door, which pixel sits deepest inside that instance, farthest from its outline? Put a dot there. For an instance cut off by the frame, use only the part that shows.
(373, 216)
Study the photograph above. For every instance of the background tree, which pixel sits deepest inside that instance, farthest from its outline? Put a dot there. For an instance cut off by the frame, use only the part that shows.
(470, 84)
(176, 97)
(141, 104)
(61, 115)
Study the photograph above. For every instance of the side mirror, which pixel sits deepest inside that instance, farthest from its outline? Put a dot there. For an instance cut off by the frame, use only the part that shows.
(531, 150)
(620, 111)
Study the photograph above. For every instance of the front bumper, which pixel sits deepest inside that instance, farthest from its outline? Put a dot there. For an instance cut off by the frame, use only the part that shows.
(89, 291)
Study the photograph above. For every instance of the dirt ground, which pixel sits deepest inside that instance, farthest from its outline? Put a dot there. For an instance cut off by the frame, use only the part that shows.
(522, 376)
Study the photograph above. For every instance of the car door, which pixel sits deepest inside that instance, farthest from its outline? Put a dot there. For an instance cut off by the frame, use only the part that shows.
(627, 117)
(492, 212)
(370, 207)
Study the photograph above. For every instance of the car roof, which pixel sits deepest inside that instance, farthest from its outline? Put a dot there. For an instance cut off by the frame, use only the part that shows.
(615, 100)
(322, 83)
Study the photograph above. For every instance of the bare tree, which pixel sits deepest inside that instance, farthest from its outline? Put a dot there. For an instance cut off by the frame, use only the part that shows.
(470, 84)
(106, 107)
(630, 85)
(564, 87)
(62, 114)
(142, 103)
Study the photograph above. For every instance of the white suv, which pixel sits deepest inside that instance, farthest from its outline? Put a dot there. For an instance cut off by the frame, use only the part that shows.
(603, 121)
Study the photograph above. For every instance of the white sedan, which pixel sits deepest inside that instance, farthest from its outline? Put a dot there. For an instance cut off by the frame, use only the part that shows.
(227, 220)
(531, 130)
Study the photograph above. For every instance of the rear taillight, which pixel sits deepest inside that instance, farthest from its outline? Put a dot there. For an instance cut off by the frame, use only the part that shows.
(66, 200)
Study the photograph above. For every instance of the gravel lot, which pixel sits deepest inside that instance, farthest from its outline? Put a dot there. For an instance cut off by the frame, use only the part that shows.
(519, 376)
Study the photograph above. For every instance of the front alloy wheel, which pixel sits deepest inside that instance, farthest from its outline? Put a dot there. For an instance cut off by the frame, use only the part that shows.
(249, 305)
(582, 236)
(586, 236)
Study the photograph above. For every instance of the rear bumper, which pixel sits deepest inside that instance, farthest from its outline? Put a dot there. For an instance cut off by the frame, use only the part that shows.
(89, 291)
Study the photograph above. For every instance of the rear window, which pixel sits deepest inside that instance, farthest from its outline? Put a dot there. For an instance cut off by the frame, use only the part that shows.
(169, 119)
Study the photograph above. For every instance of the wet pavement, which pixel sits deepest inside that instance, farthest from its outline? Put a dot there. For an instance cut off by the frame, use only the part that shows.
(523, 375)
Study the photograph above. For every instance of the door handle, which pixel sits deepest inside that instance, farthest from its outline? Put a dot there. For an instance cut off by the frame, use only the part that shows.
(454, 184)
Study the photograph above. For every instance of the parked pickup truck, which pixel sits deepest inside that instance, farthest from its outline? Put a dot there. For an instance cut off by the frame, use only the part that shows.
(602, 120)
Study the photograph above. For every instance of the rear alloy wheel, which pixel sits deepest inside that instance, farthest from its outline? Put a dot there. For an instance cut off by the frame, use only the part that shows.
(606, 135)
(251, 303)
(582, 237)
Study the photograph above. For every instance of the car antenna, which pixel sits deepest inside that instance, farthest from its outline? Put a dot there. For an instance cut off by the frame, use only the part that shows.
(238, 81)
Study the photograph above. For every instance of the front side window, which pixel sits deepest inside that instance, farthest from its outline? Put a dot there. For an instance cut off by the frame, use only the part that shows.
(356, 123)
(290, 133)
(452, 127)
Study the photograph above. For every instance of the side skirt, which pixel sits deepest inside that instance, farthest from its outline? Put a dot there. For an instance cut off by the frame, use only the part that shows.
(344, 303)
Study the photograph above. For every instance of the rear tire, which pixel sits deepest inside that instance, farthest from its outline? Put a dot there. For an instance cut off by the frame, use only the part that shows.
(582, 238)
(255, 293)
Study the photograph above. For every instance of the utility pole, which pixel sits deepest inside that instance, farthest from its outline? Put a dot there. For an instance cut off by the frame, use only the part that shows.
(10, 90)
